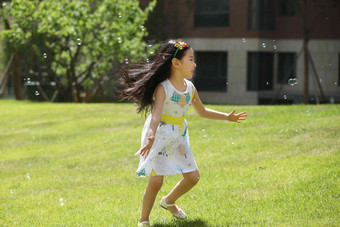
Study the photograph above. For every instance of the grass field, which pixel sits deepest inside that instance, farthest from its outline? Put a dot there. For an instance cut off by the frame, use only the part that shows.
(74, 165)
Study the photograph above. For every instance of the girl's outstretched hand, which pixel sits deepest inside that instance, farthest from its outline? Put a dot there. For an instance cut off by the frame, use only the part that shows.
(147, 147)
(236, 117)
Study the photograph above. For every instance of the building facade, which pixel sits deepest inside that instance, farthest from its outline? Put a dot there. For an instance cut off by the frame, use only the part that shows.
(251, 51)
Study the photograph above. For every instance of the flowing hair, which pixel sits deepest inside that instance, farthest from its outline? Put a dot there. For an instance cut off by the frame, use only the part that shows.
(140, 81)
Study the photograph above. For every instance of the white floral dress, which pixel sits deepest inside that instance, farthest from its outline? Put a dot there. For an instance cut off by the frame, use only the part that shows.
(170, 153)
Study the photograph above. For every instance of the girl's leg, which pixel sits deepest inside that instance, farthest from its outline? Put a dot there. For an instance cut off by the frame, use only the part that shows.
(189, 180)
(155, 183)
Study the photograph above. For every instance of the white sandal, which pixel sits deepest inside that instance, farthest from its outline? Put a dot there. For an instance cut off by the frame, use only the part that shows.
(143, 223)
(179, 215)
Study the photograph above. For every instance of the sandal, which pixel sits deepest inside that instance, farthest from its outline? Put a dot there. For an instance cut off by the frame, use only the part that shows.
(179, 215)
(143, 223)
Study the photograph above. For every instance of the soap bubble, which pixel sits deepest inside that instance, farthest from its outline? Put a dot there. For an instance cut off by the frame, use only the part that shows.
(45, 55)
(150, 49)
(79, 41)
(292, 81)
(142, 28)
(119, 15)
(263, 45)
(28, 176)
(285, 96)
(37, 93)
(243, 40)
(119, 40)
(126, 61)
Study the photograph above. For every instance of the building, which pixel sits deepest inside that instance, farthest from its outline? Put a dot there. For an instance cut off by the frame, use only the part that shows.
(246, 48)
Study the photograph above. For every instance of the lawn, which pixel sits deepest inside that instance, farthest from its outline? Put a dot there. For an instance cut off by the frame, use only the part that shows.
(74, 165)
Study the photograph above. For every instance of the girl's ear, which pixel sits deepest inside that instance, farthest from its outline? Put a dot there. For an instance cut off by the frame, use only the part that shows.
(175, 62)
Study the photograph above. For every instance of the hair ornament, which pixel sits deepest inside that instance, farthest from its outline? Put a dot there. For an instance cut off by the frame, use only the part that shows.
(179, 46)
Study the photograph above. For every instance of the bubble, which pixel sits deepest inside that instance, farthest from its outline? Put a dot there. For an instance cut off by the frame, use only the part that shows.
(79, 41)
(227, 83)
(320, 80)
(126, 61)
(28, 176)
(28, 80)
(243, 40)
(61, 199)
(150, 49)
(61, 204)
(292, 81)
(147, 60)
(37, 93)
(120, 15)
(119, 40)
(263, 45)
(203, 130)
(45, 55)
(285, 96)
(11, 191)
(335, 83)
(275, 47)
(142, 28)
(267, 83)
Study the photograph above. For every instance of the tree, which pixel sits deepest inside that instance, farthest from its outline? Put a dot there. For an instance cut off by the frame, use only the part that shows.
(73, 45)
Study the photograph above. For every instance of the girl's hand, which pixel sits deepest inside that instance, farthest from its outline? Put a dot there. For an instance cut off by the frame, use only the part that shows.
(147, 147)
(236, 117)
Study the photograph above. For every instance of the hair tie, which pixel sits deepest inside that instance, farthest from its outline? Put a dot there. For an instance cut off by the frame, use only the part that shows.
(179, 46)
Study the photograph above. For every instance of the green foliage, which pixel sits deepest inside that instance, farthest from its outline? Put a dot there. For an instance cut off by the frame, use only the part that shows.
(77, 42)
(74, 165)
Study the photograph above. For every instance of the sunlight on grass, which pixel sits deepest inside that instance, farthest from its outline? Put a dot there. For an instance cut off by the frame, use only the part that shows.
(74, 164)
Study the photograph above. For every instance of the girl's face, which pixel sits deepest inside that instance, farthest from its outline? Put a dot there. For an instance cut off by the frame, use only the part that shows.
(188, 65)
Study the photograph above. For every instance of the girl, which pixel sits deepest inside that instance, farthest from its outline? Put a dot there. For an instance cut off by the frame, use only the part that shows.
(162, 88)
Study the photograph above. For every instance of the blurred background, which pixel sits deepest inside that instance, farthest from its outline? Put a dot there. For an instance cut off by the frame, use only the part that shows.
(248, 52)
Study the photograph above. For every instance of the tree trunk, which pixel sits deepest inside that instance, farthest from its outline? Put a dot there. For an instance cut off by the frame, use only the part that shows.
(306, 82)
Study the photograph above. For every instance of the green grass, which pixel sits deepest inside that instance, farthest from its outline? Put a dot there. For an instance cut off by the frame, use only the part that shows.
(279, 167)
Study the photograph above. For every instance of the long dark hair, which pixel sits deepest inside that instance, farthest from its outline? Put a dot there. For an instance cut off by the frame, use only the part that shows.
(141, 80)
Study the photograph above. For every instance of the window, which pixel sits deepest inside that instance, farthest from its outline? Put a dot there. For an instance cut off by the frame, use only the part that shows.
(287, 8)
(261, 15)
(211, 71)
(260, 71)
(212, 13)
(285, 62)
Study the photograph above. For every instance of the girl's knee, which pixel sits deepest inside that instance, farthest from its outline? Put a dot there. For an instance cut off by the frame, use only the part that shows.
(156, 182)
(193, 177)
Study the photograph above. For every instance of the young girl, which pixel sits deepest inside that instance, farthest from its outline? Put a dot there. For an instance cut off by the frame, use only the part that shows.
(162, 88)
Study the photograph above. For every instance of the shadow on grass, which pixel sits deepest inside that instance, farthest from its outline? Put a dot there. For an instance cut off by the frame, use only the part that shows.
(183, 223)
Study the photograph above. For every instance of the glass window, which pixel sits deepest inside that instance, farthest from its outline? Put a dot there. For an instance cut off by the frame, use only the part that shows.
(260, 71)
(261, 15)
(285, 62)
(211, 71)
(287, 8)
(212, 13)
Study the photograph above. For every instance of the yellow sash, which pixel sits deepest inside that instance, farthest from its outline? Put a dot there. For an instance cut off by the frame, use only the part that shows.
(172, 120)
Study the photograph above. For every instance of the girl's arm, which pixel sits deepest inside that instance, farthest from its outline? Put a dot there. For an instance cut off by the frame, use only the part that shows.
(155, 119)
(212, 114)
